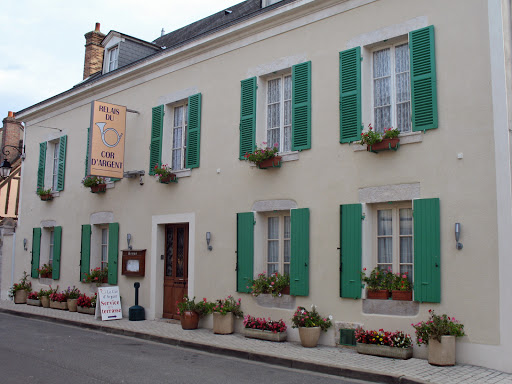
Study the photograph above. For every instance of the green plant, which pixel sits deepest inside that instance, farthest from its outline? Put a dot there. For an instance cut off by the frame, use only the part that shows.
(97, 276)
(44, 292)
(304, 318)
(72, 293)
(42, 191)
(261, 154)
(401, 282)
(23, 285)
(227, 305)
(201, 307)
(86, 301)
(378, 279)
(390, 133)
(162, 171)
(437, 326)
(33, 295)
(273, 284)
(46, 269)
(370, 137)
(91, 181)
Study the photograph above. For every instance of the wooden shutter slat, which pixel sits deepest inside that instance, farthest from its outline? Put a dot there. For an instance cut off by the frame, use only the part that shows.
(113, 252)
(42, 164)
(248, 117)
(244, 251)
(62, 162)
(85, 251)
(299, 261)
(57, 244)
(194, 131)
(350, 250)
(36, 251)
(301, 106)
(155, 149)
(350, 95)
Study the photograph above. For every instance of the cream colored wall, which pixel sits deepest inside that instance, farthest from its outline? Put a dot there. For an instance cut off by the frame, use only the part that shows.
(324, 177)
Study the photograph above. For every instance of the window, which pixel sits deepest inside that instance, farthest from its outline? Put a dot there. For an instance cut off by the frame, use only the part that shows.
(46, 241)
(52, 164)
(179, 134)
(279, 113)
(52, 243)
(55, 174)
(394, 237)
(104, 248)
(391, 88)
(278, 244)
(113, 55)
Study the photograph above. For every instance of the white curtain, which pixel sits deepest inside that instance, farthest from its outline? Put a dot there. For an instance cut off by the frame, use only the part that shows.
(273, 112)
(403, 88)
(406, 244)
(385, 237)
(382, 89)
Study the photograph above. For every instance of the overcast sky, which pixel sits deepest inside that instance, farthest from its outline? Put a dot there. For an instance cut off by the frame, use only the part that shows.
(42, 41)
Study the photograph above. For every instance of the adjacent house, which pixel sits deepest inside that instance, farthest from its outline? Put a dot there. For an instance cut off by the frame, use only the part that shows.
(309, 77)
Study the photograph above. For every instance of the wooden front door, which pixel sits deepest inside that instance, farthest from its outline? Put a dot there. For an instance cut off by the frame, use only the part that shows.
(176, 268)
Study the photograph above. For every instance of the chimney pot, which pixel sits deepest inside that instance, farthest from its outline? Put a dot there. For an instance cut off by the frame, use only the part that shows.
(10, 114)
(97, 28)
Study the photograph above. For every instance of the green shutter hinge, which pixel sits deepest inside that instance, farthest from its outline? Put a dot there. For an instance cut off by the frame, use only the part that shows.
(363, 216)
(361, 58)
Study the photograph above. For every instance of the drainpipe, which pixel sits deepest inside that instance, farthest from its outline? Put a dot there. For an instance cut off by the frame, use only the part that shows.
(13, 253)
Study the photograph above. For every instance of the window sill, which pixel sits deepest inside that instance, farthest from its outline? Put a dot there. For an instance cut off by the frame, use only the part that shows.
(45, 281)
(269, 301)
(390, 307)
(55, 194)
(183, 173)
(405, 138)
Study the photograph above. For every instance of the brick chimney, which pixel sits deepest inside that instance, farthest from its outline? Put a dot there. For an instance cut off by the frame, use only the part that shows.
(93, 51)
(12, 134)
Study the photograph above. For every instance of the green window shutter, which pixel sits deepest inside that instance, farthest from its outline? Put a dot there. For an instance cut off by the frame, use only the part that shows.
(155, 149)
(351, 250)
(87, 152)
(194, 131)
(113, 252)
(427, 250)
(85, 251)
(57, 244)
(62, 162)
(36, 251)
(423, 79)
(42, 163)
(299, 262)
(301, 107)
(244, 251)
(350, 95)
(248, 117)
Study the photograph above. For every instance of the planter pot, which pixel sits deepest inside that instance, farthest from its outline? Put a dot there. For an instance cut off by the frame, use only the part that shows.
(380, 294)
(100, 188)
(384, 351)
(59, 305)
(401, 295)
(34, 302)
(384, 145)
(264, 335)
(168, 179)
(45, 301)
(89, 311)
(223, 324)
(46, 275)
(274, 162)
(309, 336)
(47, 197)
(20, 297)
(189, 320)
(286, 290)
(72, 305)
(442, 353)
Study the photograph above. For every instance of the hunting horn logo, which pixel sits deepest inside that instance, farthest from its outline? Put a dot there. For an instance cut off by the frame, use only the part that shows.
(103, 131)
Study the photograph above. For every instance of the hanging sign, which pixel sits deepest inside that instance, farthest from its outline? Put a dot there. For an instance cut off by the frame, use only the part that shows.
(109, 303)
(106, 140)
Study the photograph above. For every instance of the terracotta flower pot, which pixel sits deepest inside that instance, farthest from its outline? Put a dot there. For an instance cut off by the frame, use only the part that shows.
(47, 197)
(99, 188)
(384, 145)
(401, 295)
(72, 305)
(45, 301)
(189, 320)
(223, 324)
(167, 179)
(274, 162)
(20, 297)
(380, 294)
(46, 275)
(442, 353)
(309, 336)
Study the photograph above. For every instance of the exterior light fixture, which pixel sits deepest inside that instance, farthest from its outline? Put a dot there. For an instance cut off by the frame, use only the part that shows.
(457, 236)
(5, 168)
(208, 238)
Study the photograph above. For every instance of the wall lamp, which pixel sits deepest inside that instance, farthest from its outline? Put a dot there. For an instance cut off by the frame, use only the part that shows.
(457, 236)
(208, 238)
(128, 240)
(5, 168)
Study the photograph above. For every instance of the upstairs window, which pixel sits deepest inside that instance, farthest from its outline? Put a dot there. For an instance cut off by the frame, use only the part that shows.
(279, 113)
(179, 135)
(113, 55)
(55, 165)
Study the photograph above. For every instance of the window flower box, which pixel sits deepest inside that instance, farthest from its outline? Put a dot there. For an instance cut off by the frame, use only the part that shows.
(46, 197)
(378, 294)
(99, 188)
(401, 295)
(384, 145)
(171, 178)
(274, 162)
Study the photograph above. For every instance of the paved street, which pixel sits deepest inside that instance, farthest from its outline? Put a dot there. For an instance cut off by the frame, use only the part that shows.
(35, 351)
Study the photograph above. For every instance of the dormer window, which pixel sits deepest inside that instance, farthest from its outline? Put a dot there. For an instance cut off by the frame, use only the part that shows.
(266, 3)
(113, 54)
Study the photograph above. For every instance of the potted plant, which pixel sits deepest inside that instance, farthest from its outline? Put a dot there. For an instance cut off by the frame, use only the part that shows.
(44, 297)
(310, 323)
(59, 300)
(45, 194)
(164, 174)
(45, 271)
(264, 329)
(86, 304)
(401, 288)
(19, 291)
(97, 275)
(96, 183)
(190, 311)
(439, 333)
(275, 285)
(265, 157)
(397, 345)
(72, 294)
(376, 283)
(33, 299)
(375, 142)
(224, 312)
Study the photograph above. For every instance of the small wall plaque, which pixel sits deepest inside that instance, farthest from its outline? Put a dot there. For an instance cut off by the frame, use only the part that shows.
(134, 263)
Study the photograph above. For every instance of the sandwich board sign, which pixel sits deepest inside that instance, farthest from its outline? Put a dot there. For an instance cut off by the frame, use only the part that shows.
(109, 303)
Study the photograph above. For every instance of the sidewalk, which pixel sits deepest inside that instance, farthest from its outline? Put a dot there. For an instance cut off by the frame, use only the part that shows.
(330, 360)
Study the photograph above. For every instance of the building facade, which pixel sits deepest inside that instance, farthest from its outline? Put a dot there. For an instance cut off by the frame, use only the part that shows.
(310, 77)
